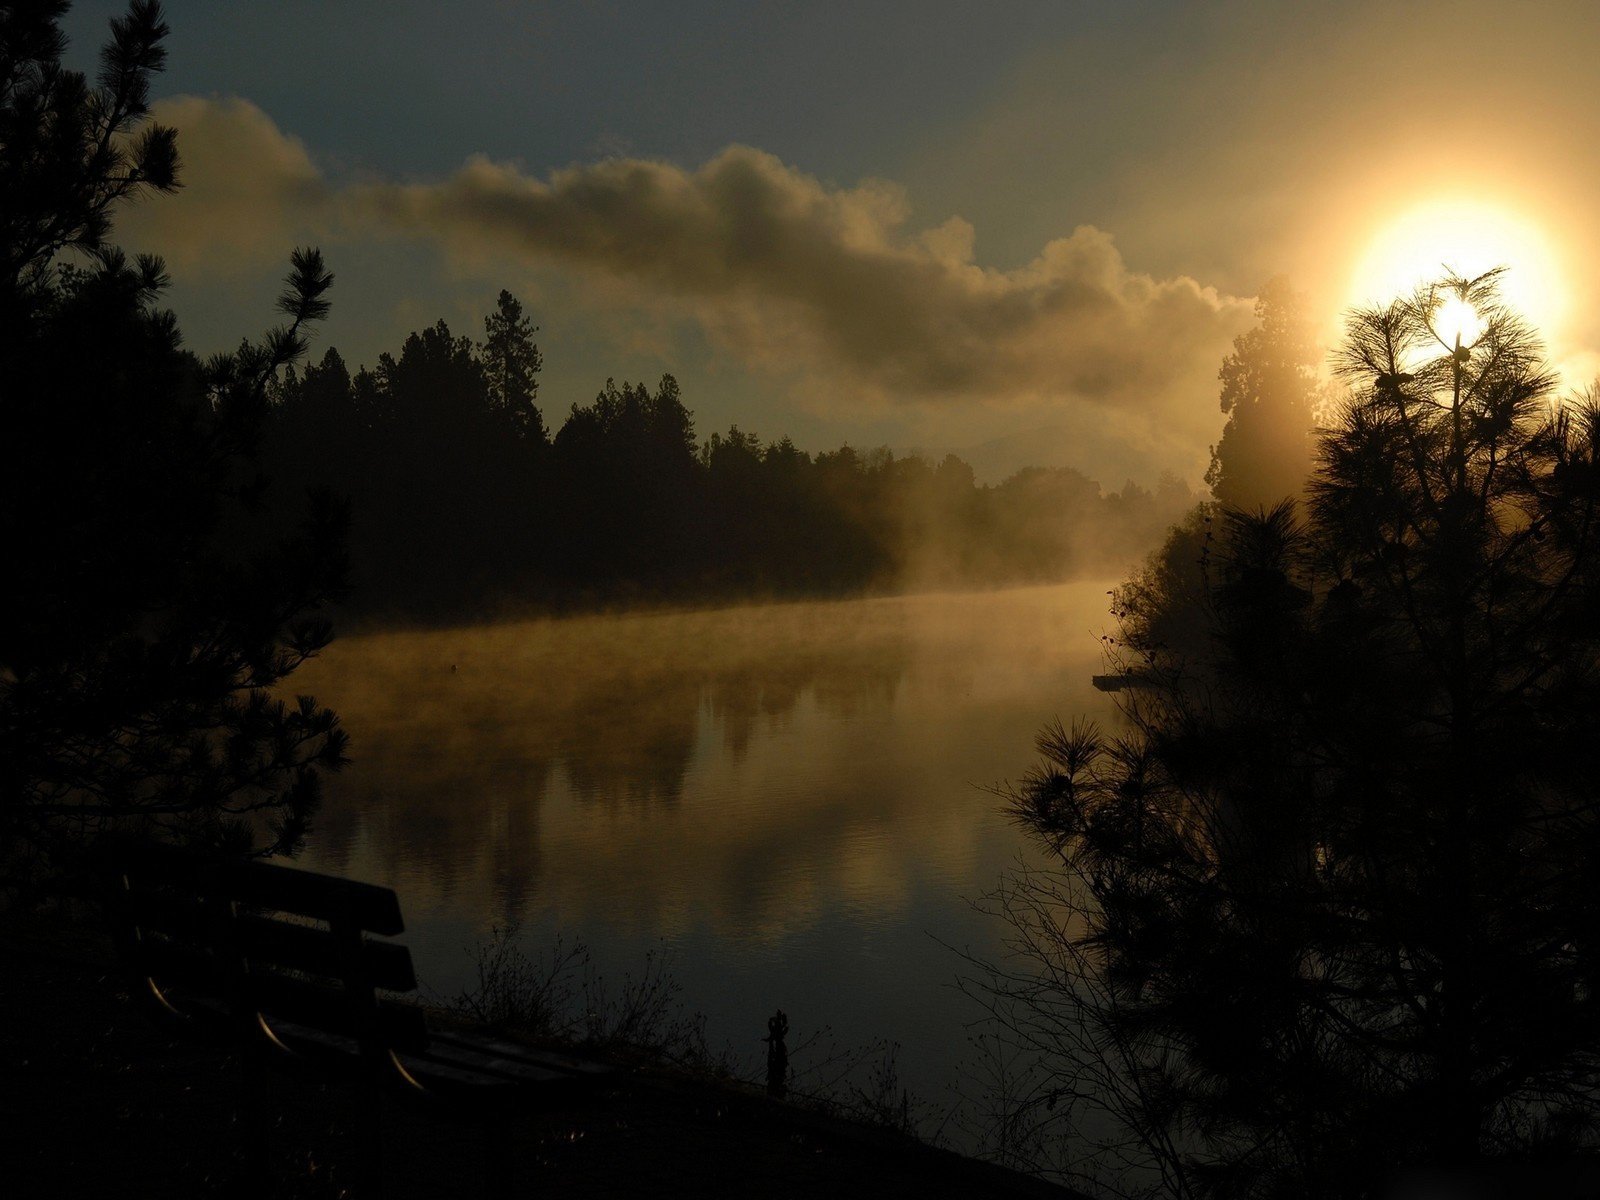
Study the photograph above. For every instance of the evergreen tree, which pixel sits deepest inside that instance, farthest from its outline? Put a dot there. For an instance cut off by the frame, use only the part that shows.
(156, 596)
(628, 479)
(511, 362)
(1327, 910)
(72, 152)
(1269, 388)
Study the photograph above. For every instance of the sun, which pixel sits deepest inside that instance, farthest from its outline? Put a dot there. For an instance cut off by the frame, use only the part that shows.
(1469, 237)
(1456, 322)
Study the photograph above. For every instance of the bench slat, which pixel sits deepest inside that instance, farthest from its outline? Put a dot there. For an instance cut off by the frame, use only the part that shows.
(491, 1065)
(267, 942)
(278, 943)
(443, 1065)
(267, 885)
(401, 1026)
(498, 1048)
(324, 897)
(205, 927)
(464, 1079)
(328, 1006)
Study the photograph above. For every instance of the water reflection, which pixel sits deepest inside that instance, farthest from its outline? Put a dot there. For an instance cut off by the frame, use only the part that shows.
(789, 796)
(462, 735)
(748, 769)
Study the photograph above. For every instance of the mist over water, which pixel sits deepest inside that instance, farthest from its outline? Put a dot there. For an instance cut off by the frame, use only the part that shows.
(789, 797)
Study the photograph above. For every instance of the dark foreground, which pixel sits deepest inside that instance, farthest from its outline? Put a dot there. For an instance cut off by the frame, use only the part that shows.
(96, 1102)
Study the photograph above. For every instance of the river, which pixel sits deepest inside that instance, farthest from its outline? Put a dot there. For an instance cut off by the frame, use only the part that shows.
(790, 803)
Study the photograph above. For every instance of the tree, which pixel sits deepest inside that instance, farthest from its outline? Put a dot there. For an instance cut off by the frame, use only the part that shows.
(156, 597)
(627, 476)
(511, 362)
(436, 388)
(1270, 392)
(1327, 909)
(72, 152)
(1269, 387)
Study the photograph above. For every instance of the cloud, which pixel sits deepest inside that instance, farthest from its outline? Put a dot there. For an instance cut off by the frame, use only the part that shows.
(779, 269)
(791, 273)
(249, 191)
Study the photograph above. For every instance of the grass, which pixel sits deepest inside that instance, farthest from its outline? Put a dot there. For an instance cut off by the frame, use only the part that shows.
(558, 995)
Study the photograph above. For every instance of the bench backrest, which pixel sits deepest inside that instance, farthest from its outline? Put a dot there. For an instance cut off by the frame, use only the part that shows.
(253, 942)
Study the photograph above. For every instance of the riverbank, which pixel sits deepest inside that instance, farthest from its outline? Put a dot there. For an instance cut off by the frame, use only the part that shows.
(96, 1102)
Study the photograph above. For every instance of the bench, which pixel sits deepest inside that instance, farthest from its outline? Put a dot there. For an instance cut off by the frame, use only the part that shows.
(294, 966)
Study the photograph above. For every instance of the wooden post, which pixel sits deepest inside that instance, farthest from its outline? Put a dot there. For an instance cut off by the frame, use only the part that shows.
(777, 1056)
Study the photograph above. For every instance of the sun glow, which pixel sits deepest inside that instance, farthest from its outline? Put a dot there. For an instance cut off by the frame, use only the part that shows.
(1467, 237)
(1457, 322)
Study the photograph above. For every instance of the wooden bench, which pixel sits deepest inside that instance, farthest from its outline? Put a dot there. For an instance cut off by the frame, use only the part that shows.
(292, 965)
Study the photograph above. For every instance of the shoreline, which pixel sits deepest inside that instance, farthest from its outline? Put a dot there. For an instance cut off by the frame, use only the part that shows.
(99, 1102)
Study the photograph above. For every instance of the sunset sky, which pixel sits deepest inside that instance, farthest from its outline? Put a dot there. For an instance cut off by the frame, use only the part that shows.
(926, 225)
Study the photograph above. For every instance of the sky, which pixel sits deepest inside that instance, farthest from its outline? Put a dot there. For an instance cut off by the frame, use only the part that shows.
(926, 225)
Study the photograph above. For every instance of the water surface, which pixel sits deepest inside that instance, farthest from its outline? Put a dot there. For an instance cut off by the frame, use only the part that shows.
(790, 799)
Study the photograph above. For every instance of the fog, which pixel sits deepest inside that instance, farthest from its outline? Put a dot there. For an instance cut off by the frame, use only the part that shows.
(743, 767)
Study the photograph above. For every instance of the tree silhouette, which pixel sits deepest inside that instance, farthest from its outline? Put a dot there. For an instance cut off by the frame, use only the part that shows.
(72, 152)
(1269, 388)
(156, 596)
(1326, 911)
(461, 508)
(512, 363)
(1265, 456)
(629, 459)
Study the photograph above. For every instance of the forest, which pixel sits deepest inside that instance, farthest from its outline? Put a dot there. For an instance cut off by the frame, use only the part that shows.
(463, 503)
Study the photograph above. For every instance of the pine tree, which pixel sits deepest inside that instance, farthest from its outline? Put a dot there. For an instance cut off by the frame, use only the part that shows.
(1326, 910)
(511, 362)
(1269, 387)
(156, 596)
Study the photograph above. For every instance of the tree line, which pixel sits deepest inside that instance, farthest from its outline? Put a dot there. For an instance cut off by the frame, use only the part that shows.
(462, 501)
